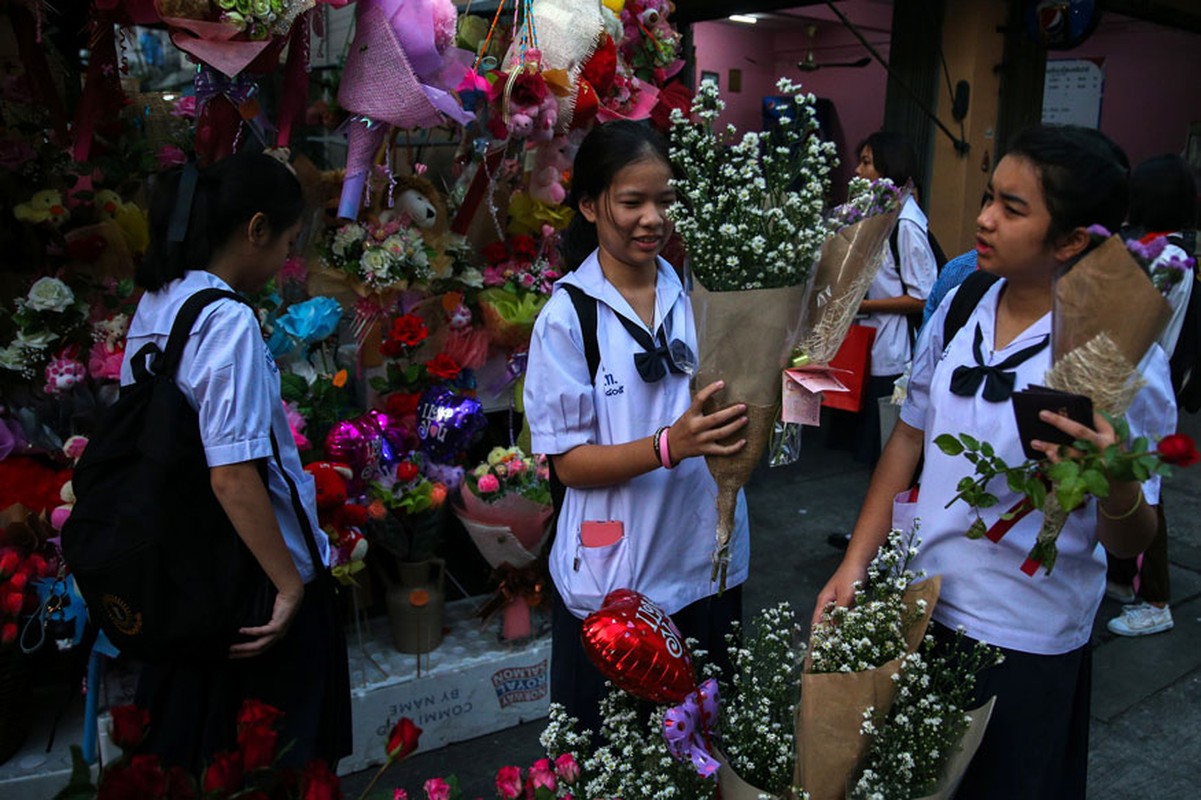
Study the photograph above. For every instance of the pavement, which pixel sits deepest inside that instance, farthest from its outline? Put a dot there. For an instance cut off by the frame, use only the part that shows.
(1145, 737)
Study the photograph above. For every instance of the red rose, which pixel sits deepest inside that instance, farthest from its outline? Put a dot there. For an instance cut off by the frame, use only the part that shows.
(529, 90)
(1178, 450)
(319, 783)
(402, 404)
(408, 330)
(129, 726)
(11, 603)
(443, 366)
(406, 471)
(180, 785)
(224, 774)
(257, 745)
(402, 741)
(495, 253)
(141, 777)
(508, 783)
(8, 633)
(524, 247)
(674, 95)
(258, 715)
(9, 561)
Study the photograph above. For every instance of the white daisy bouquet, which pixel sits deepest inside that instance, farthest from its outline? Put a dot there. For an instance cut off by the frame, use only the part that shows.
(750, 213)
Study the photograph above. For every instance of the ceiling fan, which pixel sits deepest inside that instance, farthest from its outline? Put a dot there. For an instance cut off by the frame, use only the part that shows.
(811, 64)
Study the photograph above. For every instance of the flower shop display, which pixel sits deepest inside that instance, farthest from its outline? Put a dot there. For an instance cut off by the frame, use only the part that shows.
(752, 242)
(505, 505)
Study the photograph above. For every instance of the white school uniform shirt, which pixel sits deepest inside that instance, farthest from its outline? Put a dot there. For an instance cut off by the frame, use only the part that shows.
(890, 349)
(669, 516)
(229, 377)
(983, 587)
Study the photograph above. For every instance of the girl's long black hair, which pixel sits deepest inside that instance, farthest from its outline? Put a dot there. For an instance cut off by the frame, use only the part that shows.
(226, 196)
(1084, 176)
(605, 151)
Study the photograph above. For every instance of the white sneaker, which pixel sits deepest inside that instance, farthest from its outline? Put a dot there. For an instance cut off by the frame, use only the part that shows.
(1141, 620)
(1119, 592)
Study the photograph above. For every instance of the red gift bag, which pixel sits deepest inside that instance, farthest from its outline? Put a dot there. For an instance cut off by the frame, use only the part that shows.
(855, 356)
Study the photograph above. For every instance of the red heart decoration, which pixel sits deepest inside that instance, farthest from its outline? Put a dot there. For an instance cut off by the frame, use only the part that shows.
(637, 646)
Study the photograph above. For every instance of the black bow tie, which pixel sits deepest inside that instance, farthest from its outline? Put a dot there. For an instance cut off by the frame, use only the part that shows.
(656, 359)
(999, 379)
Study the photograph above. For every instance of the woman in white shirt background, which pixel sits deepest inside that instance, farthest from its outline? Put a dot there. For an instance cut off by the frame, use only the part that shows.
(230, 226)
(1163, 202)
(899, 290)
(1051, 185)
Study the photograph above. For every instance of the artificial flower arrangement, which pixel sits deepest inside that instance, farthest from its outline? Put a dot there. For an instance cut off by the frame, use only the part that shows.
(750, 214)
(382, 254)
(505, 505)
(519, 274)
(406, 375)
(405, 511)
(313, 385)
(50, 317)
(249, 770)
(1108, 310)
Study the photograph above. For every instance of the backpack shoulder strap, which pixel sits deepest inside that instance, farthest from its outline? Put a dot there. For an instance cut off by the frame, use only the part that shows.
(971, 291)
(585, 309)
(168, 362)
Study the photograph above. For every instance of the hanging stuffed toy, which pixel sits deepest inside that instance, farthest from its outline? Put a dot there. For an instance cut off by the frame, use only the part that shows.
(399, 72)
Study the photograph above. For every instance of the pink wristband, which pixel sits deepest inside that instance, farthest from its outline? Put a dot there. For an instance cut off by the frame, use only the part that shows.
(664, 452)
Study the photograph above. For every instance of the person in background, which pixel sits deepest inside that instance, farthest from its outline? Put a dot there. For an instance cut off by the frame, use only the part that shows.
(1163, 202)
(953, 273)
(898, 290)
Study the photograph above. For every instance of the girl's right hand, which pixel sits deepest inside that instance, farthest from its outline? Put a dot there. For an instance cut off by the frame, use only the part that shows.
(696, 433)
(839, 590)
(287, 604)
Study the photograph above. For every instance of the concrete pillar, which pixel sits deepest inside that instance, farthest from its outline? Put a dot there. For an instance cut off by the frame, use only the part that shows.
(973, 44)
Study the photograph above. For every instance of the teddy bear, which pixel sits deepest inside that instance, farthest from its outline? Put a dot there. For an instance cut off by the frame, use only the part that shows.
(342, 521)
(419, 200)
(45, 206)
(551, 160)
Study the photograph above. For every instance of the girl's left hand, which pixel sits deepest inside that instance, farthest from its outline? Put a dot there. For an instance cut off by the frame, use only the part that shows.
(1102, 434)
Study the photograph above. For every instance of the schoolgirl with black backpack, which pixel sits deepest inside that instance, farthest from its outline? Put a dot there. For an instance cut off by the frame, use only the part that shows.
(194, 538)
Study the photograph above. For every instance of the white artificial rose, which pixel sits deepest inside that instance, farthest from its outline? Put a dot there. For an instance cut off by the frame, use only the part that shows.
(472, 277)
(34, 341)
(12, 357)
(49, 294)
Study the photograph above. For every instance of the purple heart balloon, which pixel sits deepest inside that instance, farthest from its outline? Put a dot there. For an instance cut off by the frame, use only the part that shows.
(447, 423)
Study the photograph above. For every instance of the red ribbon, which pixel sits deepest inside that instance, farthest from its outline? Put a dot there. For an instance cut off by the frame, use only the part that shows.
(1002, 526)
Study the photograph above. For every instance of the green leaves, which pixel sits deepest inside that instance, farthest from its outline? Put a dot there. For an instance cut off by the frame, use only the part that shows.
(948, 444)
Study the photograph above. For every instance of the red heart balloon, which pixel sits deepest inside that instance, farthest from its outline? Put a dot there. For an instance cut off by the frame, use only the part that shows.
(637, 646)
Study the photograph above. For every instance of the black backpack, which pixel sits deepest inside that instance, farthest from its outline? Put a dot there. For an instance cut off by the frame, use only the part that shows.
(585, 309)
(940, 260)
(160, 566)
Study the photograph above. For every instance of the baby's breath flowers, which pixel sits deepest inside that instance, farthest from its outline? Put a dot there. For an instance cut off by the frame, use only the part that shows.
(924, 727)
(872, 630)
(750, 210)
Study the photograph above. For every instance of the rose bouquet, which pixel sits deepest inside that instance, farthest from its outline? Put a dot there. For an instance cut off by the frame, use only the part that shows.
(505, 505)
(405, 512)
(46, 320)
(751, 217)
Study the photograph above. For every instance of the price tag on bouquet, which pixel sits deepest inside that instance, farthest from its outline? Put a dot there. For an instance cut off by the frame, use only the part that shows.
(804, 389)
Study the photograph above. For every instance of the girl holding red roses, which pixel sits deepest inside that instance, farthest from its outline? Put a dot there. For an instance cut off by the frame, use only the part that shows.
(1044, 194)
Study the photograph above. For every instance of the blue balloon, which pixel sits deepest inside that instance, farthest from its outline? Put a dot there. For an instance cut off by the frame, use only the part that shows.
(448, 424)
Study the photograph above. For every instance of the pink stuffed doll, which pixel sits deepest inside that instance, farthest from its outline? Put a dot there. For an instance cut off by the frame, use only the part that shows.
(551, 160)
